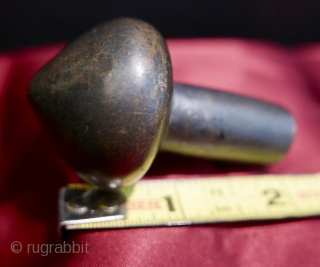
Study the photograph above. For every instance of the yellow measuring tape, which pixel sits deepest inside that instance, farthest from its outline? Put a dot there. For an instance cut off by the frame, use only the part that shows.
(211, 200)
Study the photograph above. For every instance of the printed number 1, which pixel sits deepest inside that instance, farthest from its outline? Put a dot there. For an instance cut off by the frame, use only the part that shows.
(169, 203)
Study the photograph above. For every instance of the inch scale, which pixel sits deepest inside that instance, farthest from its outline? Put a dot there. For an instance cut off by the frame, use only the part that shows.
(170, 202)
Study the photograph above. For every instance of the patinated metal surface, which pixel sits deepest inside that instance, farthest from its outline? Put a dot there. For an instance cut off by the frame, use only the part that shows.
(104, 101)
(219, 125)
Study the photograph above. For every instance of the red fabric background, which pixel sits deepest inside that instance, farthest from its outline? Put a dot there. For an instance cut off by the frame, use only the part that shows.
(31, 173)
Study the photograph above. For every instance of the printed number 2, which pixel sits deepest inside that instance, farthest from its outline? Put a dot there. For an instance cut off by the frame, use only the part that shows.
(169, 203)
(274, 200)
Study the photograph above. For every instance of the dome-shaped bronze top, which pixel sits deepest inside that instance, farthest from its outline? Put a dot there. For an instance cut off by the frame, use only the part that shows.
(105, 101)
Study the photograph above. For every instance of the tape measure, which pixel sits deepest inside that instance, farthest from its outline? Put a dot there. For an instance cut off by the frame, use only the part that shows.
(170, 202)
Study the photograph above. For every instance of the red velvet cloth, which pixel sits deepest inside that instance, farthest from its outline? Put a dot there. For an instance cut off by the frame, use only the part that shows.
(31, 173)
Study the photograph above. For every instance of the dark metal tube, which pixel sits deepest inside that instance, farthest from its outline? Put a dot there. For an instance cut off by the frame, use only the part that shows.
(219, 125)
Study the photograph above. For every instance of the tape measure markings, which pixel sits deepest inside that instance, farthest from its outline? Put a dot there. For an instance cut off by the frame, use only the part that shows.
(210, 200)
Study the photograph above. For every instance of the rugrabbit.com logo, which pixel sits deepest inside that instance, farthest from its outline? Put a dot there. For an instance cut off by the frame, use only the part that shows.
(46, 249)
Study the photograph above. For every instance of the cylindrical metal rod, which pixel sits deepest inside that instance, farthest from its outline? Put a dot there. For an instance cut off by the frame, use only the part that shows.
(214, 124)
